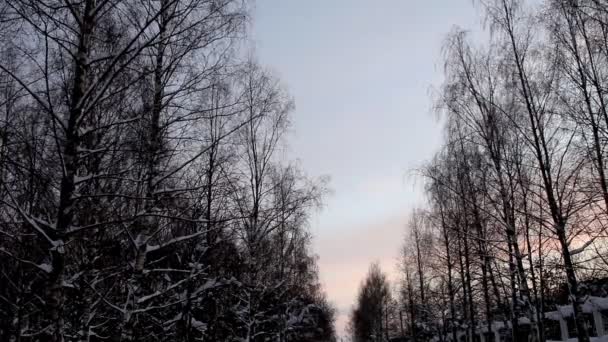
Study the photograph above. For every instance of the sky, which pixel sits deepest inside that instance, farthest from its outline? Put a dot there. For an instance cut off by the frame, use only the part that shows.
(362, 74)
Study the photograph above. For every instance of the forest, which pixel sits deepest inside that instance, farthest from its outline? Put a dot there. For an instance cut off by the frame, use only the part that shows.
(144, 190)
(512, 229)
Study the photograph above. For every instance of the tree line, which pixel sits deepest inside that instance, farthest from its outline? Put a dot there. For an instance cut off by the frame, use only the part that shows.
(144, 195)
(516, 198)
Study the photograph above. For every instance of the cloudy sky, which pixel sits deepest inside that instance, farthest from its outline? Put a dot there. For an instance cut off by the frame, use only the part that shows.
(362, 73)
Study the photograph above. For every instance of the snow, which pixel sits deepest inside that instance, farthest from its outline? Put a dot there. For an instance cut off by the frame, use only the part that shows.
(68, 285)
(58, 246)
(208, 284)
(82, 179)
(140, 240)
(145, 298)
(592, 303)
(599, 302)
(593, 339)
(496, 325)
(198, 325)
(524, 320)
(151, 248)
(553, 315)
(48, 268)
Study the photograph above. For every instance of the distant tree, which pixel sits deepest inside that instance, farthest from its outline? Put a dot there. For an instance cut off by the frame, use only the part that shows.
(369, 319)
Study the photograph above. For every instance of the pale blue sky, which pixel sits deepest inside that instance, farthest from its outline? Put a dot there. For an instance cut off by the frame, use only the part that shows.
(361, 73)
